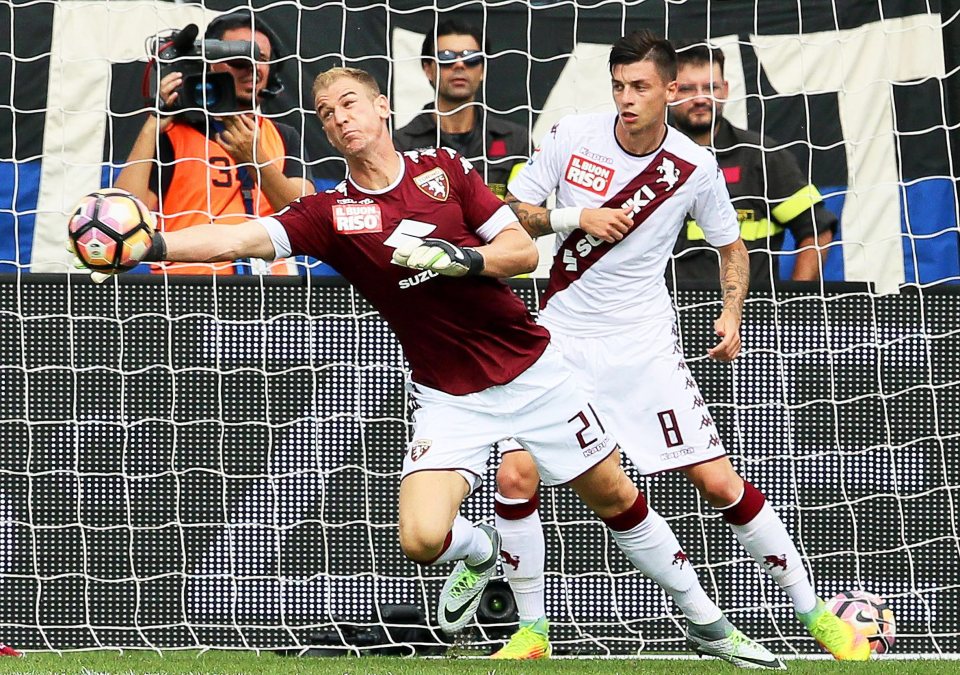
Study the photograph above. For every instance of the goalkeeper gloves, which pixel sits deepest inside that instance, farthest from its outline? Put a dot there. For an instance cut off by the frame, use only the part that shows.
(156, 253)
(440, 256)
(95, 276)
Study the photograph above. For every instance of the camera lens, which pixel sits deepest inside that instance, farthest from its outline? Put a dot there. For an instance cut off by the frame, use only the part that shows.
(205, 95)
(497, 604)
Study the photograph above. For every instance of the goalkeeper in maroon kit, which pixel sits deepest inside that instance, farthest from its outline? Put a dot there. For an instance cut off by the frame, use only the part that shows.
(402, 228)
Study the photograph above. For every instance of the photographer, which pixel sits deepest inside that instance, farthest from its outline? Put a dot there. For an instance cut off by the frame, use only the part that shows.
(194, 167)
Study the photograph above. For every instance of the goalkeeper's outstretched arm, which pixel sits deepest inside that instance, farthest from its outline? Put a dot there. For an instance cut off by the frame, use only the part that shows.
(213, 243)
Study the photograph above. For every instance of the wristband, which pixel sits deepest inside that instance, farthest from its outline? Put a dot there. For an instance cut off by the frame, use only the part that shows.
(475, 262)
(565, 221)
(158, 249)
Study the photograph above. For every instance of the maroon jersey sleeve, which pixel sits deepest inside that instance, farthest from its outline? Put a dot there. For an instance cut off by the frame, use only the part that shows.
(476, 200)
(307, 222)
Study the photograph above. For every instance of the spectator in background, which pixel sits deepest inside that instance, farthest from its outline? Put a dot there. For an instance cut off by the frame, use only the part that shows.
(768, 190)
(454, 62)
(225, 169)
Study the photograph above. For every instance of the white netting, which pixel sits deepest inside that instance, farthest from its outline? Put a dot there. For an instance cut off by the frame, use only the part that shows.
(190, 463)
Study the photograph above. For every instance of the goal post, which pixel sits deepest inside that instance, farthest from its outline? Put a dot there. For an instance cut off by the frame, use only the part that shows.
(210, 463)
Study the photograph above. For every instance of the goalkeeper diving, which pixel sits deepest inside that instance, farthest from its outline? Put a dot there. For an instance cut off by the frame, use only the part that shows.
(424, 240)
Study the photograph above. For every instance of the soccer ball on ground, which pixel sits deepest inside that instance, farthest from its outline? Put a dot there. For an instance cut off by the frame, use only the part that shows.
(869, 614)
(111, 230)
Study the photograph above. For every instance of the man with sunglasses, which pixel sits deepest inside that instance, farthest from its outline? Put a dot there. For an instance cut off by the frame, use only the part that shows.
(453, 61)
(227, 168)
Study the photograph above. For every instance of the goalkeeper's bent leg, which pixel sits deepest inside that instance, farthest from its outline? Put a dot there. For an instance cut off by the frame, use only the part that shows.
(464, 541)
(431, 529)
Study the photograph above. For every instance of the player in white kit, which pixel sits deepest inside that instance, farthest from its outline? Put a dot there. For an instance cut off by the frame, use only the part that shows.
(624, 184)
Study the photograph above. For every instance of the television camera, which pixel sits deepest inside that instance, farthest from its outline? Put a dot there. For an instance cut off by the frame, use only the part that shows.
(202, 91)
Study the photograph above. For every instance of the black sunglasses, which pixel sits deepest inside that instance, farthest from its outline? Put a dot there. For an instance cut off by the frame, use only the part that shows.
(469, 57)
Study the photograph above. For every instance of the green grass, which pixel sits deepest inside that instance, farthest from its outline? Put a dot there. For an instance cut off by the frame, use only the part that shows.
(249, 662)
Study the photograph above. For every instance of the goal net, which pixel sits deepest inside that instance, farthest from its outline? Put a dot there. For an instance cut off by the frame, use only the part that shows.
(199, 462)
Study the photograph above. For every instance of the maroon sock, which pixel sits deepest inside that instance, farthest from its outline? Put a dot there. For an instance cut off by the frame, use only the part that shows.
(630, 518)
(747, 508)
(517, 511)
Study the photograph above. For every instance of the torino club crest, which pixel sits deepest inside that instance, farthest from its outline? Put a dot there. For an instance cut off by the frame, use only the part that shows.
(419, 448)
(434, 183)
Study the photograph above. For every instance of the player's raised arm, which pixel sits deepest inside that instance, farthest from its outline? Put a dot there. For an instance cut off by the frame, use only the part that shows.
(111, 231)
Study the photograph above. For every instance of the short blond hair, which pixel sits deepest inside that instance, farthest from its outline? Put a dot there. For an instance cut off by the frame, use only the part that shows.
(328, 77)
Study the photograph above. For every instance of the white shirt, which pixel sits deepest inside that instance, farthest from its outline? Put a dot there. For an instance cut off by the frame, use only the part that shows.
(597, 288)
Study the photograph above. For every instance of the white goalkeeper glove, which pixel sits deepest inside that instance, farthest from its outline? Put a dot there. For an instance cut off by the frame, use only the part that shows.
(440, 256)
(156, 253)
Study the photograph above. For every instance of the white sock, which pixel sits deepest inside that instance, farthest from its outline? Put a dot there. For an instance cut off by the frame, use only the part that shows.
(522, 552)
(653, 549)
(766, 540)
(466, 543)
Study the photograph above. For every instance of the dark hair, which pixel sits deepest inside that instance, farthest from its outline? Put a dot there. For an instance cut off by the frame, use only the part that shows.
(245, 19)
(698, 54)
(644, 45)
(450, 27)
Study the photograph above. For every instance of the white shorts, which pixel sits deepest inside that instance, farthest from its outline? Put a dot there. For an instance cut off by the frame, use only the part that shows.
(544, 409)
(645, 391)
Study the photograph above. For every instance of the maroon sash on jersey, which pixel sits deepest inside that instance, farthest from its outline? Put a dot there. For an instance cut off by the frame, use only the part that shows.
(647, 191)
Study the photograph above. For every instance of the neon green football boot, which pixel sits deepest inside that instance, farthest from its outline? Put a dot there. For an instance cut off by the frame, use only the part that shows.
(835, 635)
(529, 643)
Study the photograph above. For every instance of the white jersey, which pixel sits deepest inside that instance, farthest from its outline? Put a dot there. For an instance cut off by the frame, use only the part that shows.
(597, 288)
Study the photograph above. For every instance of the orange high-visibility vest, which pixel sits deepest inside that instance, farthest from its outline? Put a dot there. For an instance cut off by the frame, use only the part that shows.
(205, 188)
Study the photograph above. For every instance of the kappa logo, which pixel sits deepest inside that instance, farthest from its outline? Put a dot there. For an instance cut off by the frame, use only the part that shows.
(513, 561)
(434, 183)
(340, 187)
(669, 173)
(676, 454)
(419, 448)
(679, 558)
(595, 156)
(775, 561)
(536, 151)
